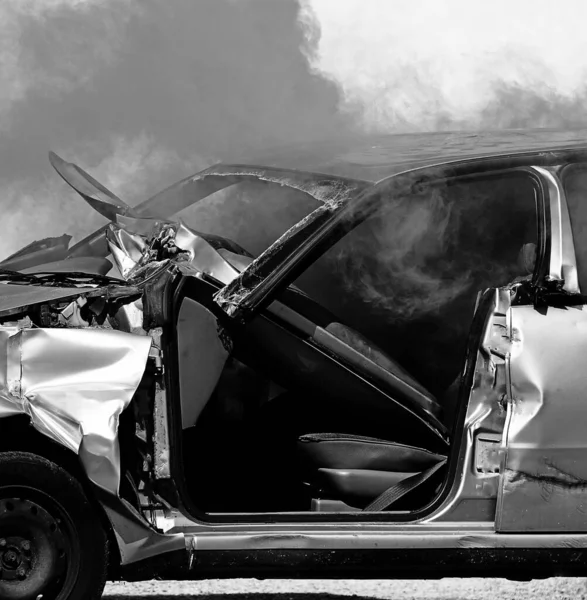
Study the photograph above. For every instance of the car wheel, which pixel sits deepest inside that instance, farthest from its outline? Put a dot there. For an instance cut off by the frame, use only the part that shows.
(52, 544)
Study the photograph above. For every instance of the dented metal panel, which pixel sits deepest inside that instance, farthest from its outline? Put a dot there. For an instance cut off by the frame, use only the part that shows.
(135, 539)
(73, 384)
(203, 256)
(544, 485)
(136, 255)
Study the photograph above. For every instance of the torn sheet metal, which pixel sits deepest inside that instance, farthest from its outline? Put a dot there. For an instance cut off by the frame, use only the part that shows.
(323, 188)
(72, 395)
(332, 192)
(166, 241)
(203, 256)
(126, 249)
(544, 485)
(329, 190)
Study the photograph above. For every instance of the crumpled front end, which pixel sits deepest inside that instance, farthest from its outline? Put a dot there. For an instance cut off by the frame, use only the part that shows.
(73, 384)
(142, 247)
(76, 341)
(75, 346)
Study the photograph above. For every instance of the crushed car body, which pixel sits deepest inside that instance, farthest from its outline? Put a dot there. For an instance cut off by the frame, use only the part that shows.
(389, 366)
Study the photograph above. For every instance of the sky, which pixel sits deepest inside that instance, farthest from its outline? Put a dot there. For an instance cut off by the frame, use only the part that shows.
(141, 93)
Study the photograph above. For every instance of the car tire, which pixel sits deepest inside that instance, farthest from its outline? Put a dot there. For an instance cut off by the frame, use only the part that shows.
(52, 542)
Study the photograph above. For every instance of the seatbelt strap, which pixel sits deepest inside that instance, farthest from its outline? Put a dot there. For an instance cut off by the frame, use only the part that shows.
(399, 490)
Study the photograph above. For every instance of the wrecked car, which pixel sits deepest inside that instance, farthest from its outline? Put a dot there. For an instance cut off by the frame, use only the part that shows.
(382, 378)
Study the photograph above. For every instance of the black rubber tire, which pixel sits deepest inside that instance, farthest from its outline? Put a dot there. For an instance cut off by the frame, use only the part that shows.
(59, 493)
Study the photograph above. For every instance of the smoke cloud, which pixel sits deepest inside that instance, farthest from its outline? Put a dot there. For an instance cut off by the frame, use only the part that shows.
(141, 94)
(427, 65)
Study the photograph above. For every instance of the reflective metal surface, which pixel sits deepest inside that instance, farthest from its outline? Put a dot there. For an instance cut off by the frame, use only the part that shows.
(474, 493)
(126, 248)
(73, 384)
(399, 537)
(135, 539)
(93, 192)
(364, 536)
(544, 484)
(563, 266)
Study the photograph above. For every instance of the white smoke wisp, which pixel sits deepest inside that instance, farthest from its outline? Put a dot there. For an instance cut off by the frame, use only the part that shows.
(426, 65)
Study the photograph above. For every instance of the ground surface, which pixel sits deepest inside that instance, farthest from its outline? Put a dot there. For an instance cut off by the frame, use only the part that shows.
(448, 589)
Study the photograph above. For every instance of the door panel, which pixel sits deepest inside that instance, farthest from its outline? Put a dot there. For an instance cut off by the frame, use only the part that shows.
(201, 355)
(544, 472)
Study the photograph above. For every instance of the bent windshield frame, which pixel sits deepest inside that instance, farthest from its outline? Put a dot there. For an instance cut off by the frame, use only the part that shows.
(280, 264)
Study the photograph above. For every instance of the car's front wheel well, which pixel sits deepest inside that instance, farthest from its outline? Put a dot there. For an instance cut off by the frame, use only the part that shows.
(18, 435)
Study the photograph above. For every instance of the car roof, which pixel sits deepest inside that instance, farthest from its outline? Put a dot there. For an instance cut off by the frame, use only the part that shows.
(372, 158)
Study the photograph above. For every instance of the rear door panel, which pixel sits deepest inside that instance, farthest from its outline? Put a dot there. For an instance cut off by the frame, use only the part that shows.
(544, 476)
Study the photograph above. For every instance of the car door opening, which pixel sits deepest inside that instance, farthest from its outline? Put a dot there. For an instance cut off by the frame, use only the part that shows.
(341, 397)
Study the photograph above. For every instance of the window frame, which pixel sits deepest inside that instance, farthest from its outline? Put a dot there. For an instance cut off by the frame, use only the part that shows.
(307, 241)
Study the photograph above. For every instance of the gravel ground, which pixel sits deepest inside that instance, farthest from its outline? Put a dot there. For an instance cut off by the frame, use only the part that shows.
(446, 589)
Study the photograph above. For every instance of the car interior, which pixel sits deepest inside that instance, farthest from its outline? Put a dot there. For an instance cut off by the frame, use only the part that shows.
(331, 402)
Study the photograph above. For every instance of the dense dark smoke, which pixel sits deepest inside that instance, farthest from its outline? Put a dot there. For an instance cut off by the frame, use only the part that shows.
(143, 93)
